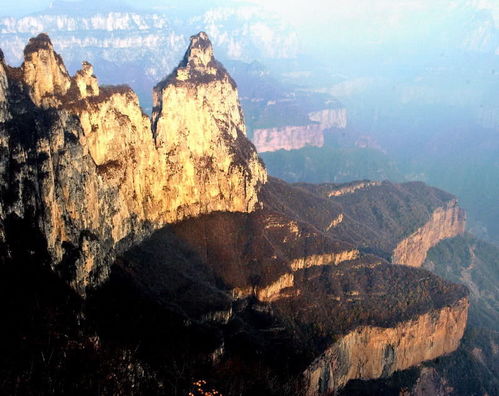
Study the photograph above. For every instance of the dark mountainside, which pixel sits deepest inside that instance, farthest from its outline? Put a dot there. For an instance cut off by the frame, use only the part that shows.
(142, 256)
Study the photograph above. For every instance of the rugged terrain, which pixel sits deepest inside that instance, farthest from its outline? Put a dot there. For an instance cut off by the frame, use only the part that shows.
(156, 252)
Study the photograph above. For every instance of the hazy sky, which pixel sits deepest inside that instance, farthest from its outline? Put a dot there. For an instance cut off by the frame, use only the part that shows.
(297, 11)
(345, 21)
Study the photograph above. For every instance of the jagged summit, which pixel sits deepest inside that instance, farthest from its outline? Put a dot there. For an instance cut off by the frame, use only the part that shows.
(200, 52)
(46, 79)
(42, 41)
(110, 172)
(44, 72)
(172, 229)
(198, 65)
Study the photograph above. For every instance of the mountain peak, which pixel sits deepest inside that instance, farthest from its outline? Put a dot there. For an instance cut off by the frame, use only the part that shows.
(40, 42)
(44, 71)
(200, 52)
(198, 65)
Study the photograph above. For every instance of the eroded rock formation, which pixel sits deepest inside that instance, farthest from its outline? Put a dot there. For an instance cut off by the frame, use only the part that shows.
(294, 137)
(445, 222)
(104, 178)
(352, 187)
(374, 352)
(199, 243)
(199, 131)
(288, 138)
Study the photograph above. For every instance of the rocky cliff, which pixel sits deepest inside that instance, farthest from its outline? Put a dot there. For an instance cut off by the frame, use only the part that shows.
(330, 118)
(104, 178)
(199, 130)
(169, 226)
(288, 138)
(374, 352)
(296, 137)
(445, 222)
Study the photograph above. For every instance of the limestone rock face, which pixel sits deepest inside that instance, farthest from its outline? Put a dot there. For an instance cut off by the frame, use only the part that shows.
(86, 81)
(83, 165)
(4, 86)
(295, 137)
(200, 133)
(288, 138)
(374, 352)
(352, 187)
(44, 72)
(445, 222)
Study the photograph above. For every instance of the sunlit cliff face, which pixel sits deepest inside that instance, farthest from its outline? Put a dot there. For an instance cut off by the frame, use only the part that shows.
(119, 177)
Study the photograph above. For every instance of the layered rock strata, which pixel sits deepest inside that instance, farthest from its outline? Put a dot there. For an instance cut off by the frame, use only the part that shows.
(294, 137)
(85, 176)
(352, 187)
(373, 352)
(288, 138)
(445, 222)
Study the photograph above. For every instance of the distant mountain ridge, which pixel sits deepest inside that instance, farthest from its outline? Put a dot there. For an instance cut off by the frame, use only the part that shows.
(140, 46)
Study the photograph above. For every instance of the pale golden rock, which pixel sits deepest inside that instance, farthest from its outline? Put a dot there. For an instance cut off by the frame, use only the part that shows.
(4, 87)
(109, 177)
(86, 81)
(336, 222)
(373, 352)
(352, 187)
(446, 222)
(200, 133)
(44, 72)
(323, 259)
(273, 291)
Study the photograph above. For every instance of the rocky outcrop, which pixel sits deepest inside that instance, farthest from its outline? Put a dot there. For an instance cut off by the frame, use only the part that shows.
(274, 290)
(288, 138)
(44, 72)
(373, 352)
(323, 259)
(199, 131)
(86, 81)
(85, 176)
(330, 118)
(352, 187)
(104, 177)
(335, 222)
(297, 137)
(121, 42)
(445, 222)
(4, 87)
